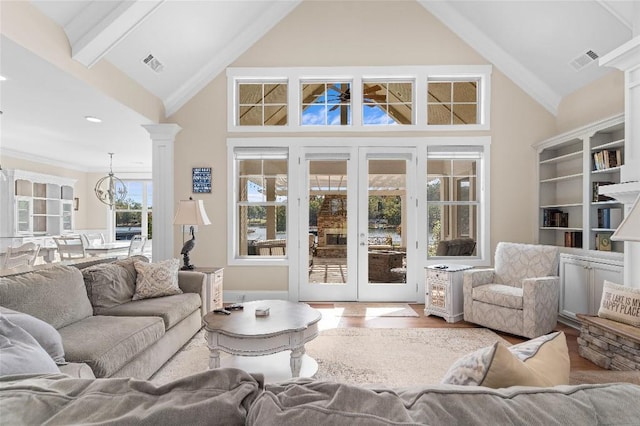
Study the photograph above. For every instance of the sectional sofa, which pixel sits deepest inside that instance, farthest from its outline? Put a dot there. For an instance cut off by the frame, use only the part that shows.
(100, 326)
(104, 333)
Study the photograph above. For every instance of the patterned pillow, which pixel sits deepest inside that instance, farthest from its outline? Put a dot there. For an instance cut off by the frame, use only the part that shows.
(157, 279)
(543, 361)
(620, 303)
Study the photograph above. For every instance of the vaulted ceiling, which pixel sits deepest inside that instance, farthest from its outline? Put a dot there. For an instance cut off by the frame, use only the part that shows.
(190, 42)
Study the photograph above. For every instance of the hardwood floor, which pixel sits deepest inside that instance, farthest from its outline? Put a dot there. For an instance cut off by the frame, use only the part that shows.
(422, 321)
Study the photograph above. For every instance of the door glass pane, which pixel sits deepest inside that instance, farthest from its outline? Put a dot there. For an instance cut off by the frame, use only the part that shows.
(327, 222)
(387, 211)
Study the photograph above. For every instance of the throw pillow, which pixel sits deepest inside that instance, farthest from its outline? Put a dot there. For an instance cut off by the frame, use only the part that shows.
(157, 279)
(543, 361)
(620, 303)
(546, 356)
(20, 353)
(107, 285)
(132, 275)
(46, 336)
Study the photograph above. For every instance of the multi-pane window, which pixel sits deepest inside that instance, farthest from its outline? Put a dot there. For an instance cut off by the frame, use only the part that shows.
(387, 102)
(261, 202)
(452, 102)
(365, 99)
(453, 202)
(326, 103)
(133, 215)
(262, 103)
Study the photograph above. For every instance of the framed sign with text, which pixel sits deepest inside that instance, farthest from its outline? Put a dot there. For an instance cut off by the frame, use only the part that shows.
(201, 178)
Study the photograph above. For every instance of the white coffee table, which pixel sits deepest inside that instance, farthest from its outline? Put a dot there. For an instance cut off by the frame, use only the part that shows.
(258, 344)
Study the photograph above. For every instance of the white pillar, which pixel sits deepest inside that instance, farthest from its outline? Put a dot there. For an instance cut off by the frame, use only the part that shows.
(162, 138)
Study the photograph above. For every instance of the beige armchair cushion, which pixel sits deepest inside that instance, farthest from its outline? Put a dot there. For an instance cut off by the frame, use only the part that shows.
(500, 295)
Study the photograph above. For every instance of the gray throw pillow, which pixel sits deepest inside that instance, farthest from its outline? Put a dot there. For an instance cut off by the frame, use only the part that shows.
(107, 285)
(132, 274)
(20, 353)
(46, 336)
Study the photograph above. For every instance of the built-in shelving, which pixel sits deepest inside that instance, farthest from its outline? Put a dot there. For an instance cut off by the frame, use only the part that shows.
(571, 169)
(35, 205)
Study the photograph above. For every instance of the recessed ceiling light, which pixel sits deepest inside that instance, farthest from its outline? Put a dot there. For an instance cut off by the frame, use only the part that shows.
(92, 119)
(2, 78)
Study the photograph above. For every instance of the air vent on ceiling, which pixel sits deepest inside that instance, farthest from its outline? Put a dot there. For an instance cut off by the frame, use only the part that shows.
(153, 63)
(584, 60)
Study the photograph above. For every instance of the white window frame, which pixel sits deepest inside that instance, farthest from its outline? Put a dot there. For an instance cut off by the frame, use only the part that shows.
(481, 201)
(233, 251)
(293, 145)
(419, 74)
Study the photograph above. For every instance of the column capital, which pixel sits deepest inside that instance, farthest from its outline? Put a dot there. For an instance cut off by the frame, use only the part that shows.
(162, 131)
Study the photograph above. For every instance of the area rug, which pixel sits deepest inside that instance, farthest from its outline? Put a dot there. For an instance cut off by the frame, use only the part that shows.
(372, 310)
(373, 356)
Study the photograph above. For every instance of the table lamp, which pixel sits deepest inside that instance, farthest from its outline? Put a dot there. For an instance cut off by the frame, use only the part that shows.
(629, 229)
(190, 212)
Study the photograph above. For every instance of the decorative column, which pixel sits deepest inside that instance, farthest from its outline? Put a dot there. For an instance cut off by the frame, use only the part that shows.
(627, 58)
(162, 139)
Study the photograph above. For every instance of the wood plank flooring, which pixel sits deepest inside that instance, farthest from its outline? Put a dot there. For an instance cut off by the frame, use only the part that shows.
(422, 321)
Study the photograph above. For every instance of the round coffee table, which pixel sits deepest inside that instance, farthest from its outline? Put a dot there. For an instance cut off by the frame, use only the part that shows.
(288, 326)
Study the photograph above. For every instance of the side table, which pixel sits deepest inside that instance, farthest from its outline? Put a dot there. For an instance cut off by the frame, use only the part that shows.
(444, 287)
(213, 286)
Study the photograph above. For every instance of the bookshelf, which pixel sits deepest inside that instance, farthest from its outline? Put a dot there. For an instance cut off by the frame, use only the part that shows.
(571, 169)
(34, 205)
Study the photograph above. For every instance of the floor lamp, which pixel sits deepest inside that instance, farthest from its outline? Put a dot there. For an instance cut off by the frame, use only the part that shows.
(190, 212)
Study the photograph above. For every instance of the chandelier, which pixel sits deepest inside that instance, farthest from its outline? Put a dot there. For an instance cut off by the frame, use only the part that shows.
(110, 189)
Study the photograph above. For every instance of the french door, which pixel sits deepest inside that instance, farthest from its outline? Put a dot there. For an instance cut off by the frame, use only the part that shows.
(358, 207)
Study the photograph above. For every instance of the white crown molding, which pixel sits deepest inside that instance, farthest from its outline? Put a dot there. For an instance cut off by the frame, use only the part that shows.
(243, 41)
(513, 69)
(102, 25)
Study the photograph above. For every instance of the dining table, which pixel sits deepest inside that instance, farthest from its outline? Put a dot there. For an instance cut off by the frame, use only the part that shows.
(107, 249)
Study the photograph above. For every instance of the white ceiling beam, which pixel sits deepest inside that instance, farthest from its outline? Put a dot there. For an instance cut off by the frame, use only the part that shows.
(614, 10)
(102, 25)
(241, 42)
(485, 46)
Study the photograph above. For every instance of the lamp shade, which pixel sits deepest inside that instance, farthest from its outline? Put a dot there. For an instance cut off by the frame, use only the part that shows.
(629, 229)
(191, 212)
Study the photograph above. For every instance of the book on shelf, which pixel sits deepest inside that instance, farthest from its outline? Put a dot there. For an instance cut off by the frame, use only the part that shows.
(595, 192)
(555, 218)
(610, 217)
(573, 239)
(603, 241)
(607, 159)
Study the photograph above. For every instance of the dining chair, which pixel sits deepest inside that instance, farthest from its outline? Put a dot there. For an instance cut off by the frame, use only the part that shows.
(137, 245)
(70, 247)
(92, 239)
(24, 255)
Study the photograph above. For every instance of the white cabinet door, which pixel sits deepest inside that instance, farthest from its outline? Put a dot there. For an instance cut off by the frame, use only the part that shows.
(599, 273)
(574, 287)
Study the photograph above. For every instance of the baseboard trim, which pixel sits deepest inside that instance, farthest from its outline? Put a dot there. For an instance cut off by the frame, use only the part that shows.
(234, 296)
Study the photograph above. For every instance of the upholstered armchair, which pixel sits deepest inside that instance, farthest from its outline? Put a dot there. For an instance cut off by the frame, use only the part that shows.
(519, 295)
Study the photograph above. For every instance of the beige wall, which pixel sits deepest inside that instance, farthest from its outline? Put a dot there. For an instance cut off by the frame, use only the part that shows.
(348, 36)
(601, 99)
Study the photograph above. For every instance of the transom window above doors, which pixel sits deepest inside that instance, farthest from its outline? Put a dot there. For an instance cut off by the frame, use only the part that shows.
(411, 98)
